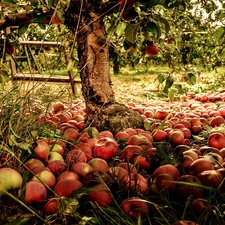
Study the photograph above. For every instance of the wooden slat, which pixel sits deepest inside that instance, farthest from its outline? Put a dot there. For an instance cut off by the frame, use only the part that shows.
(40, 43)
(44, 77)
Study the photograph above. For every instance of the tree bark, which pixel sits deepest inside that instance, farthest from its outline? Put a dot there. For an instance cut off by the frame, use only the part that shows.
(103, 112)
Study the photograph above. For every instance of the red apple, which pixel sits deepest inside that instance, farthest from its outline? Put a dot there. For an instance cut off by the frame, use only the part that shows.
(177, 137)
(68, 175)
(35, 193)
(216, 140)
(161, 114)
(46, 177)
(51, 207)
(200, 205)
(31, 163)
(135, 207)
(117, 172)
(81, 168)
(128, 166)
(55, 156)
(216, 121)
(38, 169)
(74, 156)
(100, 195)
(130, 151)
(105, 133)
(135, 182)
(164, 182)
(152, 50)
(159, 135)
(64, 188)
(200, 165)
(167, 169)
(122, 137)
(99, 164)
(142, 162)
(188, 186)
(58, 106)
(94, 177)
(57, 166)
(9, 49)
(105, 148)
(57, 148)
(211, 178)
(41, 150)
(86, 148)
(71, 134)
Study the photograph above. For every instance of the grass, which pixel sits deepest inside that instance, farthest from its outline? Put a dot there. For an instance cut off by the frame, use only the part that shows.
(18, 132)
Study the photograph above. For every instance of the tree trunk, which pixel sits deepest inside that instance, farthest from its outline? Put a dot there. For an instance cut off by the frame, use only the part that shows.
(103, 112)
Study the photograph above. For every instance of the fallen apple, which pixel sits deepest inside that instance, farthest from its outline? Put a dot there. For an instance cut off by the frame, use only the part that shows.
(41, 150)
(167, 169)
(9, 179)
(100, 195)
(135, 207)
(35, 193)
(64, 188)
(105, 148)
(188, 187)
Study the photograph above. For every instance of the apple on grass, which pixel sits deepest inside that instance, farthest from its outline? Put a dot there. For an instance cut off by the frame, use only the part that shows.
(86, 148)
(100, 195)
(31, 163)
(51, 207)
(135, 207)
(167, 169)
(105, 148)
(35, 193)
(58, 106)
(81, 168)
(64, 188)
(57, 166)
(71, 134)
(176, 137)
(200, 165)
(9, 179)
(211, 178)
(99, 164)
(74, 156)
(68, 175)
(41, 150)
(46, 177)
(216, 140)
(142, 162)
(130, 151)
(164, 182)
(57, 148)
(135, 182)
(189, 186)
(200, 205)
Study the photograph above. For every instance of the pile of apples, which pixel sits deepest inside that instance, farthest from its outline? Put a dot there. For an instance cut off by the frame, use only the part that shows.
(208, 96)
(86, 157)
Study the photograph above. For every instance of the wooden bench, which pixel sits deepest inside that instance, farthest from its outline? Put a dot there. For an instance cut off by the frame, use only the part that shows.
(39, 76)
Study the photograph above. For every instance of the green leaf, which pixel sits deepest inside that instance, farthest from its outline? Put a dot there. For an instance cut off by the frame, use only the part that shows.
(22, 29)
(39, 18)
(161, 151)
(169, 81)
(42, 26)
(120, 28)
(19, 221)
(131, 32)
(161, 78)
(219, 33)
(153, 28)
(192, 78)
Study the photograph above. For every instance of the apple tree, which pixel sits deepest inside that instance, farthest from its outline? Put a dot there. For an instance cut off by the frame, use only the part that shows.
(140, 22)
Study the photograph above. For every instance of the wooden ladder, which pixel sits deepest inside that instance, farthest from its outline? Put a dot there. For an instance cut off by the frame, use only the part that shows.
(39, 76)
